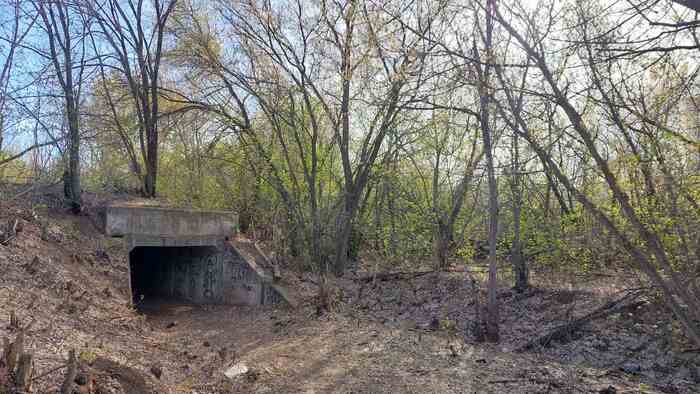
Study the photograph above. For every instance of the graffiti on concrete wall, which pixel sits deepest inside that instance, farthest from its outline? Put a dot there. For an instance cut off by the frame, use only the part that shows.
(201, 275)
(210, 276)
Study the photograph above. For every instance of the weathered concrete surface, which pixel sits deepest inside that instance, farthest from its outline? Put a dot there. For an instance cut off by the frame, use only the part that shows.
(122, 220)
(200, 274)
(185, 273)
(256, 260)
(192, 256)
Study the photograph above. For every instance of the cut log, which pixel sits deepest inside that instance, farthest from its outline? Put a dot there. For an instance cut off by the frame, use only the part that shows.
(565, 331)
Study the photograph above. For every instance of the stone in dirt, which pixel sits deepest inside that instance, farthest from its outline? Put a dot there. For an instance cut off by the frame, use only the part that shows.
(236, 370)
(31, 267)
(157, 371)
(632, 369)
(608, 390)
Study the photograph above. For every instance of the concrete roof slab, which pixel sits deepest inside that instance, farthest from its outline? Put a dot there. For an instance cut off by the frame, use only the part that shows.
(123, 220)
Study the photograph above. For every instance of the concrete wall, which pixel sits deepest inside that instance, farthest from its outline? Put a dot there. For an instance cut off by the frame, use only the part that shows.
(202, 275)
(167, 222)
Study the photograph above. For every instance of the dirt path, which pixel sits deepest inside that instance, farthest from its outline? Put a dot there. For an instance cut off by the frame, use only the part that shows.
(288, 352)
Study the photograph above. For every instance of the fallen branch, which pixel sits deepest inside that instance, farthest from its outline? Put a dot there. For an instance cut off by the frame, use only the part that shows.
(505, 381)
(389, 276)
(522, 380)
(566, 330)
(49, 372)
(7, 240)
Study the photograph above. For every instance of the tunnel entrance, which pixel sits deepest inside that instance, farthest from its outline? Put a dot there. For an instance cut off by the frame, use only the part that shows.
(172, 273)
(178, 254)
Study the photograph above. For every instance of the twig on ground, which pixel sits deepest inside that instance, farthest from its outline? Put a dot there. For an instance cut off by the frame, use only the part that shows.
(388, 276)
(49, 372)
(565, 330)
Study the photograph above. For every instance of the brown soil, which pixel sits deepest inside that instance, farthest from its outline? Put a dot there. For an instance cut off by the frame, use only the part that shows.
(397, 336)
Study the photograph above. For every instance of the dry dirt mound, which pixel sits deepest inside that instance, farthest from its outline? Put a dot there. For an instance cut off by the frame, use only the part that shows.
(70, 284)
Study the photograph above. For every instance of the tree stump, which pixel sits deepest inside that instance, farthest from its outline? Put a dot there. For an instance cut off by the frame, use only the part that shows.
(14, 321)
(13, 351)
(23, 376)
(9, 232)
(16, 366)
(71, 371)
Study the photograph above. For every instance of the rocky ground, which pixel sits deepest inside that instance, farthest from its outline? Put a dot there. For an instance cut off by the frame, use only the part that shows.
(68, 286)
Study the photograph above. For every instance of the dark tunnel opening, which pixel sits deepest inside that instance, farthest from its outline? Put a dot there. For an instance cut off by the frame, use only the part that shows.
(180, 274)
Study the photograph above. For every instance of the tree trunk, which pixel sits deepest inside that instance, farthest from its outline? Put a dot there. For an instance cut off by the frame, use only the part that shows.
(378, 205)
(67, 386)
(492, 330)
(516, 253)
(443, 242)
(342, 238)
(492, 318)
(71, 179)
(2, 128)
(319, 258)
(61, 57)
(150, 179)
(23, 376)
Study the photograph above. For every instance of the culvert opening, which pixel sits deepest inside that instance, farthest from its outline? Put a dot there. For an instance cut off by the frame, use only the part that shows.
(181, 274)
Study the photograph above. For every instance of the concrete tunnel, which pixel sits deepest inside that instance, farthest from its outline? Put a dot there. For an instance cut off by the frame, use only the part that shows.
(172, 272)
(190, 256)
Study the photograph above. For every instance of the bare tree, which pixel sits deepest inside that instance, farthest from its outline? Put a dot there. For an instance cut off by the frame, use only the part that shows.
(446, 218)
(402, 71)
(520, 269)
(643, 243)
(66, 31)
(313, 72)
(134, 31)
(484, 88)
(517, 258)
